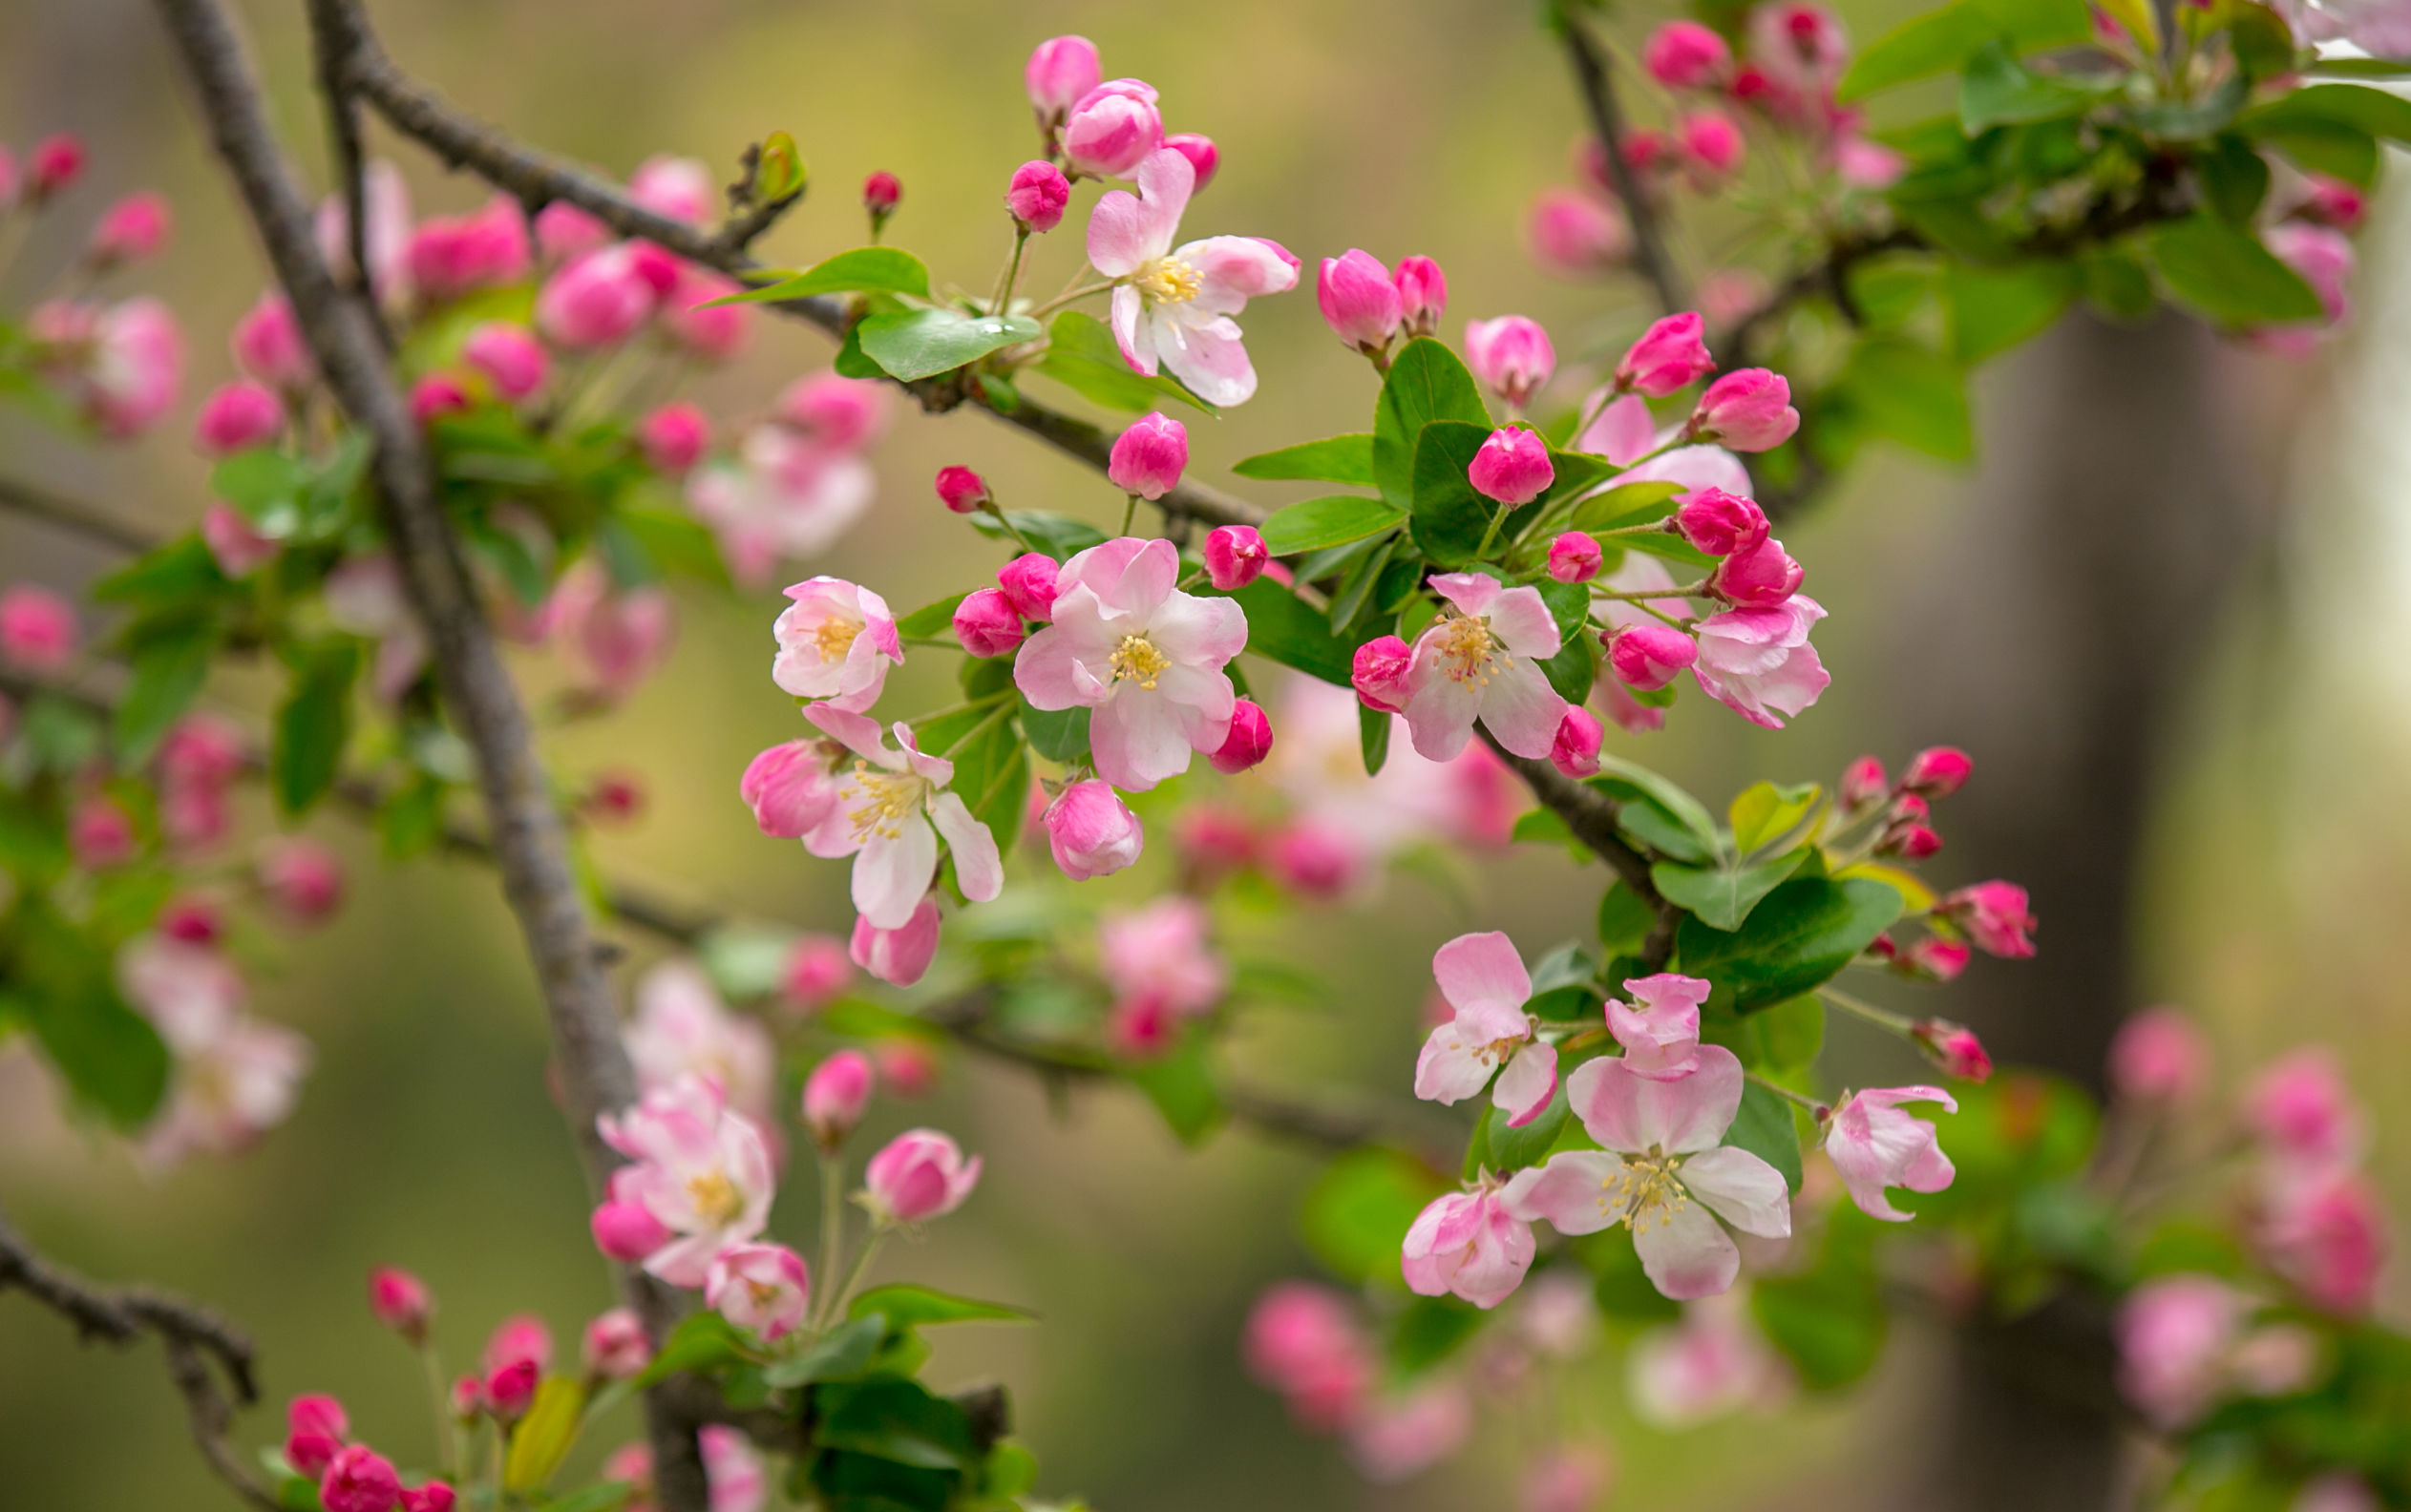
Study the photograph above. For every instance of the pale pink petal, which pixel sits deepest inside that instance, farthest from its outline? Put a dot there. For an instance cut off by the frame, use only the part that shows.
(1686, 1253)
(1742, 1189)
(1195, 631)
(1570, 1191)
(1236, 268)
(1527, 1084)
(892, 873)
(1132, 332)
(1472, 593)
(1522, 709)
(1452, 1067)
(1211, 359)
(1117, 235)
(1130, 576)
(1481, 969)
(1695, 467)
(977, 866)
(1051, 668)
(1440, 715)
(1520, 618)
(1631, 1113)
(1166, 180)
(936, 770)
(1138, 740)
(1623, 432)
(1204, 699)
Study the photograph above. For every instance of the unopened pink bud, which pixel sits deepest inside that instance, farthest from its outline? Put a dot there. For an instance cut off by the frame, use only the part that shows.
(1513, 467)
(835, 1096)
(1863, 783)
(615, 1346)
(361, 1479)
(815, 973)
(673, 438)
(987, 623)
(1719, 523)
(53, 165)
(1422, 294)
(1711, 145)
(1028, 583)
(315, 1428)
(625, 1229)
(1359, 300)
(38, 629)
(2160, 1056)
(1938, 772)
(1912, 842)
(1995, 916)
(562, 231)
(509, 1390)
(301, 879)
(598, 298)
(1110, 129)
(1685, 54)
(1512, 355)
(1059, 72)
(1575, 751)
(789, 789)
(100, 834)
(467, 1399)
(1204, 157)
(435, 1496)
(134, 228)
(1037, 196)
(450, 256)
(919, 1175)
(899, 956)
(1647, 655)
(1953, 1047)
(510, 357)
(2333, 202)
(1933, 960)
(238, 416)
(882, 193)
(677, 187)
(654, 266)
(1574, 236)
(1380, 672)
(1235, 555)
(1092, 832)
(191, 921)
(613, 798)
(962, 490)
(1574, 558)
(1760, 577)
(401, 1301)
(1749, 410)
(1671, 355)
(1148, 457)
(1249, 742)
(268, 344)
(436, 395)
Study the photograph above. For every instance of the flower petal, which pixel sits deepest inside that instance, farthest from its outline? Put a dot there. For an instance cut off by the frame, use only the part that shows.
(1474, 968)
(1687, 1253)
(1520, 618)
(1131, 331)
(1471, 593)
(1137, 738)
(1211, 359)
(1742, 1189)
(1522, 709)
(1117, 235)
(1450, 1068)
(977, 866)
(1527, 1084)
(1236, 268)
(892, 872)
(1570, 1191)
(1627, 1112)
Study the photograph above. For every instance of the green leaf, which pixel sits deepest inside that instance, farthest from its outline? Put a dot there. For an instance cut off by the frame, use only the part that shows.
(1765, 813)
(1575, 667)
(1283, 628)
(175, 573)
(1621, 778)
(1800, 937)
(838, 1354)
(1997, 89)
(1941, 41)
(677, 542)
(1060, 735)
(170, 664)
(1624, 920)
(931, 620)
(1181, 1086)
(2234, 179)
(1765, 1128)
(2375, 112)
(1429, 1329)
(2117, 283)
(2226, 274)
(1902, 391)
(1785, 1038)
(1829, 1320)
(1722, 897)
(1373, 737)
(1449, 517)
(908, 1307)
(2341, 152)
(913, 345)
(62, 984)
(778, 170)
(1081, 356)
(313, 726)
(1357, 1212)
(1425, 383)
(702, 1342)
(1333, 460)
(1315, 523)
(1514, 1148)
(894, 1420)
(1994, 308)
(1625, 504)
(864, 270)
(543, 1438)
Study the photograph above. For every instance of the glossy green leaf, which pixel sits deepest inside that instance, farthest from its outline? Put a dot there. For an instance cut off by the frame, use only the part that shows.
(2376, 112)
(871, 270)
(703, 1341)
(2228, 275)
(1722, 897)
(1182, 1088)
(312, 726)
(1315, 523)
(1902, 391)
(1081, 356)
(2234, 179)
(1429, 1329)
(1359, 1210)
(1514, 1148)
(899, 1420)
(175, 573)
(1997, 89)
(1801, 935)
(1425, 383)
(913, 345)
(1942, 41)
(543, 1438)
(1624, 920)
(840, 1354)
(1333, 460)
(1764, 1127)
(1996, 308)
(170, 663)
(908, 1307)
(1372, 738)
(1787, 1036)
(1765, 813)
(1829, 1320)
(1624, 504)
(1060, 735)
(930, 622)
(1619, 776)
(1283, 628)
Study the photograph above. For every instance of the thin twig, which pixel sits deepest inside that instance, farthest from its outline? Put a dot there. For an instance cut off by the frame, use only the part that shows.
(1595, 78)
(195, 1339)
(75, 516)
(326, 31)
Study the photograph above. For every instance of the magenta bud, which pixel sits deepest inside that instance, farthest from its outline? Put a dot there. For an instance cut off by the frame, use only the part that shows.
(134, 228)
(1953, 1047)
(627, 1231)
(1249, 740)
(1685, 54)
(1574, 558)
(1719, 523)
(1091, 831)
(401, 1301)
(962, 490)
(1647, 655)
(1863, 783)
(1513, 467)
(987, 623)
(509, 1390)
(673, 438)
(1711, 145)
(238, 416)
(1037, 196)
(1911, 842)
(268, 344)
(1204, 157)
(1670, 355)
(1110, 130)
(1028, 583)
(816, 972)
(1235, 555)
(1423, 295)
(614, 1346)
(1760, 577)
(437, 394)
(1380, 672)
(835, 1096)
(509, 356)
(881, 193)
(1575, 751)
(1148, 457)
(53, 165)
(1938, 772)
(1358, 301)
(1749, 410)
(789, 789)
(361, 1479)
(1512, 355)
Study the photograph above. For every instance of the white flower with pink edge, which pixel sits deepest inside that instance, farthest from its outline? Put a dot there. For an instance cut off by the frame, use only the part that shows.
(836, 642)
(700, 1170)
(890, 810)
(1482, 662)
(1485, 981)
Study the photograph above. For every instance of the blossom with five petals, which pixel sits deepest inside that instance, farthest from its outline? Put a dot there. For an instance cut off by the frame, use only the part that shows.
(1483, 663)
(1469, 1243)
(890, 811)
(701, 1171)
(1875, 1145)
(1483, 980)
(836, 642)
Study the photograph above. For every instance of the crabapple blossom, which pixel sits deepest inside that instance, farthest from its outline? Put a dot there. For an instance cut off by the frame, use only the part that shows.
(891, 808)
(786, 494)
(700, 1172)
(1512, 355)
(315, 1428)
(1302, 1341)
(2302, 1112)
(1161, 954)
(1148, 457)
(1953, 1047)
(2325, 1231)
(1759, 577)
(1483, 980)
(1938, 772)
(1029, 581)
(509, 356)
(401, 1302)
(1092, 832)
(238, 549)
(1060, 71)
(1204, 157)
(268, 344)
(961, 490)
(1566, 1478)
(611, 638)
(509, 1389)
(1712, 145)
(522, 1337)
(1112, 129)
(681, 1028)
(1574, 236)
(37, 628)
(1145, 656)
(1394, 1437)
(239, 415)
(1038, 196)
(1359, 300)
(1423, 295)
(1875, 1145)
(882, 193)
(624, 1229)
(1383, 671)
(53, 165)
(359, 1479)
(1249, 742)
(1670, 355)
(985, 624)
(615, 1346)
(1576, 751)
(1511, 467)
(761, 1287)
(1713, 1362)
(1648, 655)
(1993, 914)
(2159, 1056)
(1469, 1243)
(1482, 662)
(1659, 1028)
(834, 409)
(1175, 306)
(1685, 54)
(836, 642)
(793, 787)
(100, 834)
(815, 973)
(1935, 960)
(133, 229)
(1235, 555)
(899, 956)
(835, 1096)
(129, 364)
(679, 188)
(732, 1468)
(1749, 410)
(921, 1174)
(598, 298)
(1575, 557)
(450, 256)
(1660, 1171)
(562, 231)
(673, 436)
(1719, 523)
(2175, 1334)
(1758, 663)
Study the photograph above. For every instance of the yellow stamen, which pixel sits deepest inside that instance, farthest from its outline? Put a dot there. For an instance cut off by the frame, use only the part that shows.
(1168, 280)
(1468, 653)
(1137, 658)
(889, 799)
(1646, 1188)
(715, 1198)
(835, 638)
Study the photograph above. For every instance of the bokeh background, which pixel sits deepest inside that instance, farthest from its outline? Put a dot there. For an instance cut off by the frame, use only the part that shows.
(2166, 611)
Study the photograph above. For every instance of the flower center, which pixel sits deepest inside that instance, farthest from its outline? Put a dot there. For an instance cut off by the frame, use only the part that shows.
(835, 638)
(1168, 280)
(887, 800)
(763, 1292)
(1467, 650)
(715, 1198)
(1646, 1188)
(1137, 658)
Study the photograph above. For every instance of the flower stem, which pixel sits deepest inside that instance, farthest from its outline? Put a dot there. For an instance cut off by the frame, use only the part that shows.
(1802, 1098)
(1004, 707)
(833, 1213)
(1882, 1018)
(1130, 513)
(854, 1277)
(1010, 529)
(1081, 292)
(1489, 537)
(1012, 271)
(447, 1435)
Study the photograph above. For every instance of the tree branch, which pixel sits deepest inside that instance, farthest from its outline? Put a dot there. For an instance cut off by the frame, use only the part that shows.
(528, 840)
(76, 517)
(194, 1338)
(1595, 78)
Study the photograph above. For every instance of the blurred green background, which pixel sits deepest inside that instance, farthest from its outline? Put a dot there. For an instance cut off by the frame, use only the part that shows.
(2277, 879)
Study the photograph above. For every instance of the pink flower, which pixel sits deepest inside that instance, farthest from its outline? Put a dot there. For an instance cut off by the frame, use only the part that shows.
(1760, 577)
(360, 1480)
(836, 642)
(816, 972)
(835, 1096)
(1358, 301)
(792, 789)
(2327, 1234)
(1112, 129)
(1483, 663)
(1749, 410)
(2159, 1056)
(732, 1469)
(1993, 914)
(1483, 980)
(1713, 1362)
(1249, 742)
(1510, 355)
(673, 436)
(53, 165)
(597, 300)
(1037, 196)
(301, 879)
(238, 549)
(1575, 237)
(1030, 582)
(761, 1287)
(102, 835)
(834, 409)
(133, 369)
(388, 234)
(1955, 1048)
(1383, 673)
(268, 344)
(1576, 751)
(509, 356)
(2301, 1109)
(615, 1346)
(2333, 202)
(1423, 295)
(2174, 1335)
(706, 331)
(1938, 772)
(130, 231)
(1875, 1145)
(1685, 54)
(987, 623)
(315, 1428)
(1060, 71)
(898, 956)
(1204, 157)
(1711, 145)
(522, 1337)
(1511, 467)
(1659, 1152)
(786, 495)
(624, 1229)
(921, 1174)
(677, 187)
(1933, 960)
(1393, 1437)
(613, 638)
(681, 1028)
(450, 256)
(1148, 457)
(1469, 1243)
(1669, 356)
(1659, 1029)
(437, 395)
(562, 231)
(1175, 306)
(37, 628)
(1235, 555)
(1302, 1341)
(1570, 1479)
(891, 808)
(1091, 831)
(1574, 558)
(1147, 657)
(1801, 47)
(1648, 655)
(2337, 1492)
(510, 1390)
(401, 1302)
(1758, 663)
(1162, 952)
(701, 1171)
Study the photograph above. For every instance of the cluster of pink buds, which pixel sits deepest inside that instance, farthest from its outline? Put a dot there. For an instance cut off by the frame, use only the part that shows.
(1369, 307)
(350, 1476)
